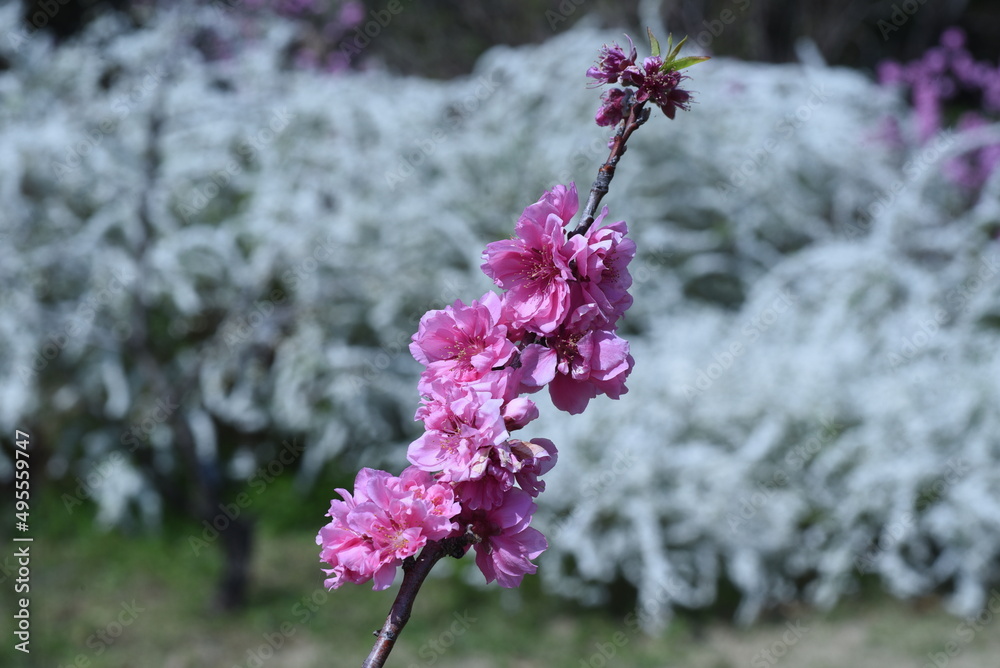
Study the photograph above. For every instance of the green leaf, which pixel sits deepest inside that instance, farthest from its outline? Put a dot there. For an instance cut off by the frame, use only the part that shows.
(671, 55)
(654, 45)
(681, 63)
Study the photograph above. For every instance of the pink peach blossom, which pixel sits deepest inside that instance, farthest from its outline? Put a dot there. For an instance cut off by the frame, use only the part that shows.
(463, 342)
(462, 424)
(534, 268)
(386, 520)
(507, 543)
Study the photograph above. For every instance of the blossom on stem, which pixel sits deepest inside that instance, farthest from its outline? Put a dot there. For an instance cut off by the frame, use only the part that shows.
(462, 425)
(613, 63)
(554, 325)
(535, 458)
(534, 268)
(512, 462)
(462, 342)
(657, 80)
(662, 89)
(613, 107)
(507, 544)
(386, 520)
(602, 266)
(577, 366)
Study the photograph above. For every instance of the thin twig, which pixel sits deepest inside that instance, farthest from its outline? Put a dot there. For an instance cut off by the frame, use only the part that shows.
(414, 573)
(638, 115)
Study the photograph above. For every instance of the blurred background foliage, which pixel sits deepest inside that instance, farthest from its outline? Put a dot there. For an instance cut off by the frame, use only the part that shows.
(445, 37)
(182, 329)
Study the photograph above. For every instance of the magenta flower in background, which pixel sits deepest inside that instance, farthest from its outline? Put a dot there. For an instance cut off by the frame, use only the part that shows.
(351, 13)
(508, 544)
(939, 76)
(890, 72)
(974, 168)
(462, 342)
(927, 105)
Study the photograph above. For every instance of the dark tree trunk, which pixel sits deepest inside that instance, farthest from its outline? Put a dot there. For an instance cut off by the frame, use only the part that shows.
(237, 547)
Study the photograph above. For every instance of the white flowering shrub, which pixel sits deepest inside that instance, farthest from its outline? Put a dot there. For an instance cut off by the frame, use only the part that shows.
(207, 256)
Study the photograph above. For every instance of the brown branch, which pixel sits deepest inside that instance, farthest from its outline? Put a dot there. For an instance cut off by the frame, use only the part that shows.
(638, 115)
(414, 573)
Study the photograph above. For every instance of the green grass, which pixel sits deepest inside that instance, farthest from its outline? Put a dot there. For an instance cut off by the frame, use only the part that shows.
(85, 580)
